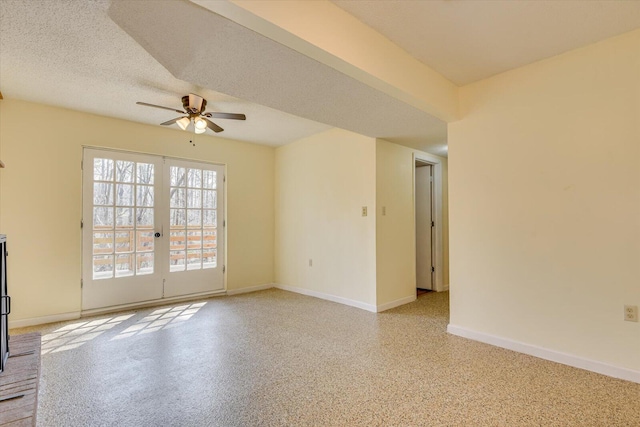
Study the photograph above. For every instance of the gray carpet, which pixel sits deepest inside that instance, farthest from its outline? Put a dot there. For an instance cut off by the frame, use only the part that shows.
(275, 358)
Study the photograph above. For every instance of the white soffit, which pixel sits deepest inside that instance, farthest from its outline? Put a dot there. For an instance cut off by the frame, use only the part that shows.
(69, 53)
(204, 48)
(468, 41)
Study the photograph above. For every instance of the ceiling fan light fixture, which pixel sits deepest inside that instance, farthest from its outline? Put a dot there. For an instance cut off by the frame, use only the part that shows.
(183, 123)
(200, 124)
(198, 130)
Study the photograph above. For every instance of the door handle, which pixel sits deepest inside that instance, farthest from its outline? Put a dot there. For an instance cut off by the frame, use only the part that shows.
(157, 234)
(7, 305)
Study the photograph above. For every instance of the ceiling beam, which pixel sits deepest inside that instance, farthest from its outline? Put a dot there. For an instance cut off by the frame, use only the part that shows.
(323, 31)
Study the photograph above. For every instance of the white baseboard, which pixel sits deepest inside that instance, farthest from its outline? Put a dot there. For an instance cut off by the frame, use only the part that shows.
(152, 303)
(33, 321)
(250, 289)
(445, 288)
(396, 303)
(547, 354)
(328, 297)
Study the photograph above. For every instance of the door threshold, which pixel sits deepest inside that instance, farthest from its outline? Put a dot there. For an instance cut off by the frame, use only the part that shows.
(152, 303)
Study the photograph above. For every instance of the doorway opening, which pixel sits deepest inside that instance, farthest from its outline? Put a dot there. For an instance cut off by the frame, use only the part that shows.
(429, 220)
(425, 224)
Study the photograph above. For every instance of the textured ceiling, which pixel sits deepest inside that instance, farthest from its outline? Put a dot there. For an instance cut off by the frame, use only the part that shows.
(69, 53)
(467, 41)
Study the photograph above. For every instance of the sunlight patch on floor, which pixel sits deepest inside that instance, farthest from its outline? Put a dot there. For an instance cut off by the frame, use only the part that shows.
(162, 318)
(74, 335)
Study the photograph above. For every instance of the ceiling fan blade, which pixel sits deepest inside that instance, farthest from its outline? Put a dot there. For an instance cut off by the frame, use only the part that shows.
(232, 116)
(170, 122)
(214, 127)
(160, 106)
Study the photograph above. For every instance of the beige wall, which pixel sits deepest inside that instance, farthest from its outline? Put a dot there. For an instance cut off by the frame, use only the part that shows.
(545, 203)
(395, 231)
(41, 199)
(322, 182)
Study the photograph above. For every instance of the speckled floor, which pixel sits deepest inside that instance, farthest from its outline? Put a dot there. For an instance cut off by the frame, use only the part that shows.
(275, 358)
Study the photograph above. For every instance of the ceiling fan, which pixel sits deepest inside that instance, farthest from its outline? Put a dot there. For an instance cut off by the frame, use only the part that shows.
(194, 106)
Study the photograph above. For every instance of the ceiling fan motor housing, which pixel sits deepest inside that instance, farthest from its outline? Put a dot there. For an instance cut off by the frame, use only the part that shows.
(194, 104)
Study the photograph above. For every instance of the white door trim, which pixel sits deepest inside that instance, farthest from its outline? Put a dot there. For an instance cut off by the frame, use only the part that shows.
(438, 214)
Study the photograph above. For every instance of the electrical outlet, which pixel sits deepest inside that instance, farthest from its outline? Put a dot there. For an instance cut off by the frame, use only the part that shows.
(364, 211)
(310, 262)
(631, 313)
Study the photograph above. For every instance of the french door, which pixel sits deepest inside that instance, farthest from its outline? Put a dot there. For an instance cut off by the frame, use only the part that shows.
(152, 228)
(193, 214)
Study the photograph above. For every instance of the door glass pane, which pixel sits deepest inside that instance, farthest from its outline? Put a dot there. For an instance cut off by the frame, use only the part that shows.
(103, 266)
(194, 178)
(194, 219)
(102, 218)
(124, 171)
(124, 241)
(124, 217)
(124, 195)
(209, 258)
(178, 240)
(102, 193)
(144, 218)
(176, 261)
(195, 239)
(194, 198)
(178, 218)
(209, 243)
(124, 265)
(145, 173)
(177, 176)
(144, 263)
(177, 197)
(102, 243)
(194, 260)
(209, 179)
(145, 241)
(209, 199)
(209, 218)
(144, 196)
(102, 170)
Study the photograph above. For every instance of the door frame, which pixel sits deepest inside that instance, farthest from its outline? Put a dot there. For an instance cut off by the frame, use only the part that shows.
(418, 167)
(162, 300)
(438, 216)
